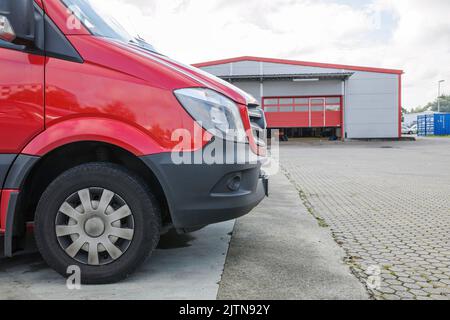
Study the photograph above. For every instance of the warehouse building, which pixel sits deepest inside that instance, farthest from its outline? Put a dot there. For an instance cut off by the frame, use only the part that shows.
(318, 99)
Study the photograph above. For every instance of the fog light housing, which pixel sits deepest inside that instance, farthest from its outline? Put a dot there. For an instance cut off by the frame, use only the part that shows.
(234, 184)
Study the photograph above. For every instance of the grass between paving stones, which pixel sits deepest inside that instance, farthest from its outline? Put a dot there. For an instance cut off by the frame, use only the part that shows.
(306, 203)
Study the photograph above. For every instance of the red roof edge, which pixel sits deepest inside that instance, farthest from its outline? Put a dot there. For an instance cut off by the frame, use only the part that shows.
(298, 63)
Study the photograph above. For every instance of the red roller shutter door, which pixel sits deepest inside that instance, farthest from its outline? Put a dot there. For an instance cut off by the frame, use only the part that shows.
(303, 112)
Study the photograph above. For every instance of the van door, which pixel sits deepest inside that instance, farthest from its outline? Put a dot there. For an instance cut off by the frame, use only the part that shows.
(21, 100)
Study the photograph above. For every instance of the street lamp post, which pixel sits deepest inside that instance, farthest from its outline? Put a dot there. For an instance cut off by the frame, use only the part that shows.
(439, 95)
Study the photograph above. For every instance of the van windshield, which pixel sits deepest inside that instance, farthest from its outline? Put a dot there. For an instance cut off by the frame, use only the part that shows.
(101, 23)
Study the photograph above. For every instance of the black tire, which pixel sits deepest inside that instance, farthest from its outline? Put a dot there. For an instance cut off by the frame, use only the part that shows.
(142, 203)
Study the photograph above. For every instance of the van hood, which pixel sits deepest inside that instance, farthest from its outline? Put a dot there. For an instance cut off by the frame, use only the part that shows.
(201, 77)
(216, 83)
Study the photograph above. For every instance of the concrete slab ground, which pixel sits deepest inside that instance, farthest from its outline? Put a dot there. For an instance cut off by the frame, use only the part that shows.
(280, 252)
(183, 267)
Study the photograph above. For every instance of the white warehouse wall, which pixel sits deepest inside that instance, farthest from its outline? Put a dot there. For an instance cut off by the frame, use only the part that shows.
(372, 105)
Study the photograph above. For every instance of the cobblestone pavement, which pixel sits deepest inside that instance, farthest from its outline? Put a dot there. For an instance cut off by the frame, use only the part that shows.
(387, 204)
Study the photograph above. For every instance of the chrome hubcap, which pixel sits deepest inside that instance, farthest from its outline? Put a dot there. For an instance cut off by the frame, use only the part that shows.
(94, 226)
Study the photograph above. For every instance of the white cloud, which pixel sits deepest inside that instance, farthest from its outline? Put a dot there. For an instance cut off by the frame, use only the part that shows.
(418, 41)
(421, 46)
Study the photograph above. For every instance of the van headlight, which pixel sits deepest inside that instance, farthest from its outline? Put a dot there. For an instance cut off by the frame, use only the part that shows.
(216, 113)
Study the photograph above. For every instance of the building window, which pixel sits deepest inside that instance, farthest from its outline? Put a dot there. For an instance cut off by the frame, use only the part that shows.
(286, 101)
(333, 101)
(318, 102)
(271, 102)
(302, 101)
(317, 108)
(302, 109)
(271, 109)
(286, 109)
(333, 108)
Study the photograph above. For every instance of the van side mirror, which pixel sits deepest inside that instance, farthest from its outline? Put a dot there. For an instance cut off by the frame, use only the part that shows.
(17, 24)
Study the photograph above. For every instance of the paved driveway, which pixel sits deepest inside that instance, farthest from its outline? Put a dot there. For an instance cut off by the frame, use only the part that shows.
(387, 204)
(277, 252)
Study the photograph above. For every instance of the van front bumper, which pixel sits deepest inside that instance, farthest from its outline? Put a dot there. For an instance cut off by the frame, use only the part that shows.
(200, 194)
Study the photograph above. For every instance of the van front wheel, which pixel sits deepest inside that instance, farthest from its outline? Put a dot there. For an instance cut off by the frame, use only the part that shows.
(99, 217)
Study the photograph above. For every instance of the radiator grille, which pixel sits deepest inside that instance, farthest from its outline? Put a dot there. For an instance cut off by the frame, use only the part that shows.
(259, 124)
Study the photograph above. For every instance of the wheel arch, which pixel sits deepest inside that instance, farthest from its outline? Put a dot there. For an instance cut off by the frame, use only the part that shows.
(133, 139)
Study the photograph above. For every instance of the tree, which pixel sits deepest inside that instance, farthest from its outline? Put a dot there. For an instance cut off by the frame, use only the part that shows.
(433, 106)
(420, 109)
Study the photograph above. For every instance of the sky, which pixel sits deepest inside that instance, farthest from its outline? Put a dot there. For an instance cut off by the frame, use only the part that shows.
(412, 35)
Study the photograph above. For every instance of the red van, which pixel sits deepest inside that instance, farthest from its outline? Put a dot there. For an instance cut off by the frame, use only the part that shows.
(89, 128)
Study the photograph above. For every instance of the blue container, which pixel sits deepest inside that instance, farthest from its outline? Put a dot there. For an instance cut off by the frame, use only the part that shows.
(437, 124)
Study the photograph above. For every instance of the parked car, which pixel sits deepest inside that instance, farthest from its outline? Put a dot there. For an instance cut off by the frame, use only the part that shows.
(413, 129)
(88, 115)
(409, 130)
